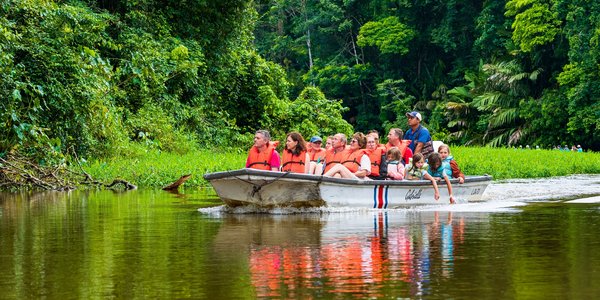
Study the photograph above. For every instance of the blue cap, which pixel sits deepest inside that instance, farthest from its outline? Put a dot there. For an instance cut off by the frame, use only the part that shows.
(315, 139)
(414, 114)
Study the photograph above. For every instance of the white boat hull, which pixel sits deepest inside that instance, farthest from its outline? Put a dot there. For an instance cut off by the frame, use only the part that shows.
(279, 189)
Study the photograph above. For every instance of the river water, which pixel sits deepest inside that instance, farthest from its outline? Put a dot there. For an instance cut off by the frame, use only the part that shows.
(529, 239)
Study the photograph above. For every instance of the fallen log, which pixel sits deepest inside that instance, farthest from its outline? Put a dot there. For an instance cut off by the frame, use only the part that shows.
(126, 184)
(175, 185)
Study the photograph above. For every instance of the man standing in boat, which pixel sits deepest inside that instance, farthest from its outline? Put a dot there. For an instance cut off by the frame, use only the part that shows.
(418, 135)
(395, 140)
(263, 155)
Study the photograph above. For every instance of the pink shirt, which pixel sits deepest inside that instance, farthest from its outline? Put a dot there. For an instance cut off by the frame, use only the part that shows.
(396, 170)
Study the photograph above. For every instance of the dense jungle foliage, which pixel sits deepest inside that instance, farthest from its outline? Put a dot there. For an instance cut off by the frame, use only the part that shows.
(115, 78)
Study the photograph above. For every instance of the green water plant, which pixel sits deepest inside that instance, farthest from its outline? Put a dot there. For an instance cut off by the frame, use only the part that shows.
(158, 169)
(506, 163)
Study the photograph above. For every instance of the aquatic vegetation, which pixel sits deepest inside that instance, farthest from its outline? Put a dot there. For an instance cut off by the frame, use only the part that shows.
(158, 169)
(505, 163)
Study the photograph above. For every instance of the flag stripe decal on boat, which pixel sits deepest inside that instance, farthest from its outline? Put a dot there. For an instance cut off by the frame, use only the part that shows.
(380, 196)
(386, 195)
(375, 196)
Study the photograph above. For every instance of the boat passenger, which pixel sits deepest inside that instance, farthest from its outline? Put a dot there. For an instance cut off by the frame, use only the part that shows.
(295, 157)
(263, 155)
(316, 154)
(378, 160)
(417, 170)
(450, 166)
(329, 142)
(395, 168)
(357, 164)
(436, 170)
(418, 135)
(395, 140)
(338, 152)
(375, 134)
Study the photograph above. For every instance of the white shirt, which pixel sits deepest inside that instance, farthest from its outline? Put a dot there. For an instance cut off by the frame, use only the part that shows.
(365, 164)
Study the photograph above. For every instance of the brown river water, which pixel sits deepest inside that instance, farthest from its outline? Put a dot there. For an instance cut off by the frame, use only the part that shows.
(529, 239)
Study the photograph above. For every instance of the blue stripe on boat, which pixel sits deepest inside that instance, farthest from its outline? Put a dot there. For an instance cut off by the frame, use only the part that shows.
(386, 196)
(375, 196)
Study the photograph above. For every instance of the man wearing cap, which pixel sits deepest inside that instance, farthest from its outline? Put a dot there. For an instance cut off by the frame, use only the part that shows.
(418, 134)
(316, 154)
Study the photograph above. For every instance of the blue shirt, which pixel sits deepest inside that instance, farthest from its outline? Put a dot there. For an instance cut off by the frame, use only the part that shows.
(420, 135)
(437, 173)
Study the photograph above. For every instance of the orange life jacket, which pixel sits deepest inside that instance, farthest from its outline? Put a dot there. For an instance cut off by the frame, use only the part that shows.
(375, 157)
(317, 155)
(293, 163)
(352, 162)
(332, 158)
(261, 160)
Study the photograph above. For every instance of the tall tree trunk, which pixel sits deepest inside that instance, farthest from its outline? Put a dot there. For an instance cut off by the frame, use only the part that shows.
(310, 60)
(354, 48)
(308, 45)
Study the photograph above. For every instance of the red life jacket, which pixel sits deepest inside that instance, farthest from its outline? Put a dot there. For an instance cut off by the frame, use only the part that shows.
(261, 160)
(332, 158)
(317, 154)
(352, 162)
(293, 163)
(375, 157)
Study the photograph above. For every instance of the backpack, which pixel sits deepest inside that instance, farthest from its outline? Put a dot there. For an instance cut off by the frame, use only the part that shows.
(427, 146)
(383, 167)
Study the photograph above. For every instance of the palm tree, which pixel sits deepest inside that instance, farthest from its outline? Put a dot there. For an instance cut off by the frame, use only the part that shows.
(506, 86)
(461, 113)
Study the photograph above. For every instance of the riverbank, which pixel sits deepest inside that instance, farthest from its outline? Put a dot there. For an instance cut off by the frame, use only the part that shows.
(158, 169)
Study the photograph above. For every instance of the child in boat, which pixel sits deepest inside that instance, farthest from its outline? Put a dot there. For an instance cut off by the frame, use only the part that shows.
(451, 168)
(395, 168)
(436, 170)
(417, 170)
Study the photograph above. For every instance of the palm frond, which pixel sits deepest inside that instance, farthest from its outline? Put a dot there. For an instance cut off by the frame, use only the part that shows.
(515, 136)
(499, 139)
(503, 118)
(460, 92)
(488, 100)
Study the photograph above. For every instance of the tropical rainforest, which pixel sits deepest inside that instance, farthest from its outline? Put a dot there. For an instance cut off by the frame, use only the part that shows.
(107, 78)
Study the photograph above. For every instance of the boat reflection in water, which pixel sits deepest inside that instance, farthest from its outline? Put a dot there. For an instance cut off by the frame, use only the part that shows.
(366, 253)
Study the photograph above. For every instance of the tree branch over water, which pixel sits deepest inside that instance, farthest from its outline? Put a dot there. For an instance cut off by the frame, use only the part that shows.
(18, 172)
